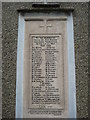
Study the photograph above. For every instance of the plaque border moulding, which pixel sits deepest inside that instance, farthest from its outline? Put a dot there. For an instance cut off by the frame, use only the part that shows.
(71, 64)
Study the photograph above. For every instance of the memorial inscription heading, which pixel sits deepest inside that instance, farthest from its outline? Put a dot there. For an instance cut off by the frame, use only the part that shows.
(47, 78)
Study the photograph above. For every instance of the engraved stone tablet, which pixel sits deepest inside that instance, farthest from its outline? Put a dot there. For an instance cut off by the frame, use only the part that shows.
(45, 88)
(46, 80)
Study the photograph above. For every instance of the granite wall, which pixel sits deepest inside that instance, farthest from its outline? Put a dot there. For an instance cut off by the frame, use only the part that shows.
(0, 60)
(9, 55)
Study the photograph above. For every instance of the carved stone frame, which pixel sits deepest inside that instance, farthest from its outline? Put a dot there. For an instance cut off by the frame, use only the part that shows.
(71, 63)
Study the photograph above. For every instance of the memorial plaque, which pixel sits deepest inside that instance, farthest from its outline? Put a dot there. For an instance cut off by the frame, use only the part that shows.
(45, 88)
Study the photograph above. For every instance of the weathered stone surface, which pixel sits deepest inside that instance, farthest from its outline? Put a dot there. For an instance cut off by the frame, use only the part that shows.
(10, 29)
(45, 58)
